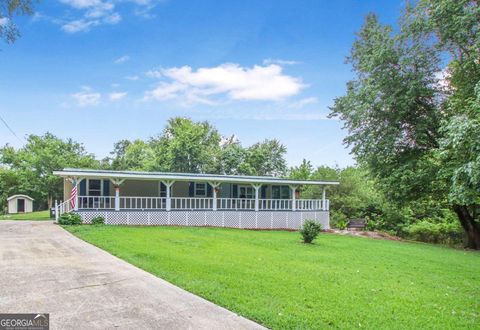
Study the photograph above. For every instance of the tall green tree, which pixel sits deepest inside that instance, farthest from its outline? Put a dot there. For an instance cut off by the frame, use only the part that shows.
(401, 117)
(33, 164)
(186, 146)
(266, 158)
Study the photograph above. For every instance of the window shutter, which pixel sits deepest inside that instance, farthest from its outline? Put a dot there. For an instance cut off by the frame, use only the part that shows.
(234, 191)
(263, 192)
(191, 189)
(163, 190)
(209, 190)
(83, 187)
(106, 187)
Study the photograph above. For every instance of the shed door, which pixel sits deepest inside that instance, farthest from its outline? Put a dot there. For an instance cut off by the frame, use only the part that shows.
(20, 205)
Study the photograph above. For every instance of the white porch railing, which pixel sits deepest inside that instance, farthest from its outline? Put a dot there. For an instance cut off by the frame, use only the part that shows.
(62, 207)
(235, 204)
(96, 202)
(275, 204)
(193, 203)
(128, 203)
(311, 204)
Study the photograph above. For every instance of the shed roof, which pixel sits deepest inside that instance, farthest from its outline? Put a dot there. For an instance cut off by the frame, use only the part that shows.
(19, 196)
(137, 175)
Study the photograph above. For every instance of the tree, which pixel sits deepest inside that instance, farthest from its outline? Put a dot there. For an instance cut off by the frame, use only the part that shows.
(266, 158)
(34, 163)
(132, 155)
(186, 146)
(232, 159)
(302, 172)
(398, 114)
(8, 9)
(8, 182)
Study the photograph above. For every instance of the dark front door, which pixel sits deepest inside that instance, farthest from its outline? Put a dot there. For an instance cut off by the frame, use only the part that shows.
(20, 205)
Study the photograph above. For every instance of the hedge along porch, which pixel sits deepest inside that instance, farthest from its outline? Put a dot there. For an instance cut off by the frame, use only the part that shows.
(155, 198)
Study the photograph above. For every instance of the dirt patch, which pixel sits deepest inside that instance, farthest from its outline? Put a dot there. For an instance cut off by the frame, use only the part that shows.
(371, 234)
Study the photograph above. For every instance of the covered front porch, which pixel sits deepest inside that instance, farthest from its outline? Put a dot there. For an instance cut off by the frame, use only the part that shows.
(124, 192)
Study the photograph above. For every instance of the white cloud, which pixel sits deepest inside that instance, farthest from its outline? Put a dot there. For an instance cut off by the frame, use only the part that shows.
(122, 59)
(303, 102)
(81, 4)
(95, 13)
(133, 78)
(87, 97)
(269, 61)
(78, 26)
(117, 96)
(230, 80)
(91, 13)
(154, 73)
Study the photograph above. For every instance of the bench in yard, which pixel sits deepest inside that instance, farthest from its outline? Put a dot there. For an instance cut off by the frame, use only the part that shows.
(357, 224)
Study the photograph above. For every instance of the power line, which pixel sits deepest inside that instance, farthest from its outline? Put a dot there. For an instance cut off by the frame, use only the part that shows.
(10, 129)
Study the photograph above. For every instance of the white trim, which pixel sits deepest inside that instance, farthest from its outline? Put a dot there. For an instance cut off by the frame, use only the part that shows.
(188, 177)
(20, 196)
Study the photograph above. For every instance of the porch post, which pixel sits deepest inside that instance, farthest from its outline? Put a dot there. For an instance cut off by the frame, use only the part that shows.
(257, 190)
(294, 198)
(214, 185)
(56, 211)
(168, 184)
(324, 201)
(116, 185)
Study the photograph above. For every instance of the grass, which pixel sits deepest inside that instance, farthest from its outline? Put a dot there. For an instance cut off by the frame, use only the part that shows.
(40, 215)
(338, 282)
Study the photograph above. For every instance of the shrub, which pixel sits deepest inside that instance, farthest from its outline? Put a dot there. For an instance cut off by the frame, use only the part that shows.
(342, 224)
(70, 219)
(310, 231)
(98, 220)
(370, 226)
(429, 232)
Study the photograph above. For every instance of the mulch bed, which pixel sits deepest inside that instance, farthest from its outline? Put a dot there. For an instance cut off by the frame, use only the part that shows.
(371, 234)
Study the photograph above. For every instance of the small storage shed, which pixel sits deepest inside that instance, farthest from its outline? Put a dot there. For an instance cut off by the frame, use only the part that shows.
(20, 204)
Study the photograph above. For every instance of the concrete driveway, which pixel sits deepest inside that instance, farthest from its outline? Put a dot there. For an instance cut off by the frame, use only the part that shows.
(44, 269)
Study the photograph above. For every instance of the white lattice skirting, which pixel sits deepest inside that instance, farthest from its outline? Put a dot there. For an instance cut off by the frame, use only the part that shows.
(231, 219)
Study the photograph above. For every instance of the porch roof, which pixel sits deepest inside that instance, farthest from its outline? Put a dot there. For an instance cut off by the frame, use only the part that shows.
(137, 175)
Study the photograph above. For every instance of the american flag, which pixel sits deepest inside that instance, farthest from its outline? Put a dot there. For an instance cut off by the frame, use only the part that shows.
(73, 194)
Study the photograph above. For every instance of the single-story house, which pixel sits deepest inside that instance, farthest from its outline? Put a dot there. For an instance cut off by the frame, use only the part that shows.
(190, 199)
(20, 204)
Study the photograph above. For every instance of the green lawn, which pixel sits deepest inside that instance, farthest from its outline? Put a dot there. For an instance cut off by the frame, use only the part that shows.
(339, 282)
(40, 215)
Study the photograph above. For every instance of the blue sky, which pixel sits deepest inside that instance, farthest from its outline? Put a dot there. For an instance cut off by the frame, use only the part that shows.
(103, 70)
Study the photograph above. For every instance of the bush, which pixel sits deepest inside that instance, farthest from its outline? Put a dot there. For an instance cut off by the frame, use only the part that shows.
(310, 231)
(442, 233)
(98, 220)
(342, 224)
(70, 219)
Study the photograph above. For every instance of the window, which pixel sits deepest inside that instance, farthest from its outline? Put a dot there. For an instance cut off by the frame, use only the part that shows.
(200, 189)
(280, 192)
(246, 192)
(94, 187)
